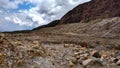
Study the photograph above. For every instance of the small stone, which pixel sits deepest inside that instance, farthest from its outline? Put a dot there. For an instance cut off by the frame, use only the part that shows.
(77, 53)
(77, 57)
(91, 63)
(85, 55)
(96, 55)
(117, 55)
(113, 64)
(84, 44)
(86, 62)
(104, 56)
(112, 59)
(116, 60)
(17, 43)
(2, 35)
(66, 45)
(80, 51)
(71, 63)
(20, 62)
(118, 63)
(74, 60)
(80, 60)
(35, 42)
(10, 64)
(1, 58)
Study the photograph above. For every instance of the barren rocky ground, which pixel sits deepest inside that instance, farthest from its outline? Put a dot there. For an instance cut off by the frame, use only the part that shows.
(94, 44)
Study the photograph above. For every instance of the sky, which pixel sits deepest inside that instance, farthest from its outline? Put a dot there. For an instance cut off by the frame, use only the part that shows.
(28, 14)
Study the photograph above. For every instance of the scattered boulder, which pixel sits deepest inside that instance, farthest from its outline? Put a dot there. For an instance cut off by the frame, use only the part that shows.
(97, 55)
(118, 63)
(116, 60)
(87, 62)
(90, 63)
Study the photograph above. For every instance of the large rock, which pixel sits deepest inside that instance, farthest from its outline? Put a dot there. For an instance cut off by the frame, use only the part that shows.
(97, 55)
(92, 10)
(118, 63)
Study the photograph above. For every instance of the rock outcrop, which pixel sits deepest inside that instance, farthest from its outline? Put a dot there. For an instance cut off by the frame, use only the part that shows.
(94, 9)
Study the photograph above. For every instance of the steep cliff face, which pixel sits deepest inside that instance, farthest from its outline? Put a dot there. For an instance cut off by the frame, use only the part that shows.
(92, 10)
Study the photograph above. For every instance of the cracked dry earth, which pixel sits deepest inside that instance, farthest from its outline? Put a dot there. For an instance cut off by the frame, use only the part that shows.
(71, 48)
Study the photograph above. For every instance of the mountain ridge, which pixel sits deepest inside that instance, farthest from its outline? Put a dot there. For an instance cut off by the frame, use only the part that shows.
(94, 9)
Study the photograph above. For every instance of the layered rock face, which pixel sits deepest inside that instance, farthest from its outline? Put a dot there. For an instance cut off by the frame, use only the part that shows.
(94, 9)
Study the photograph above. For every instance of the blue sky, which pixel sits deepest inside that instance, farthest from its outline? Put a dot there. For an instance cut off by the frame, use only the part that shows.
(28, 14)
(25, 6)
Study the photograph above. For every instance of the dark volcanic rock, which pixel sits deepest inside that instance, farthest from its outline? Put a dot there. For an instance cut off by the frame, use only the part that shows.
(92, 10)
(97, 55)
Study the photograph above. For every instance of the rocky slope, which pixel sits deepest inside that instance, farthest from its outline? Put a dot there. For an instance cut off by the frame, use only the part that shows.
(95, 44)
(109, 27)
(94, 9)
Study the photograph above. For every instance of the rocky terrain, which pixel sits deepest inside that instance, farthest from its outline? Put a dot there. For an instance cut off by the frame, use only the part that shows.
(80, 44)
(94, 44)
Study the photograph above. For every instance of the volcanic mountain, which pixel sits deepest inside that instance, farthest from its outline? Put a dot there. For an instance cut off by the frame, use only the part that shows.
(94, 9)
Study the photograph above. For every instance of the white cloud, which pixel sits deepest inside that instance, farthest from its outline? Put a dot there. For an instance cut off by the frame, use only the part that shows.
(7, 18)
(18, 21)
(7, 4)
(1, 11)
